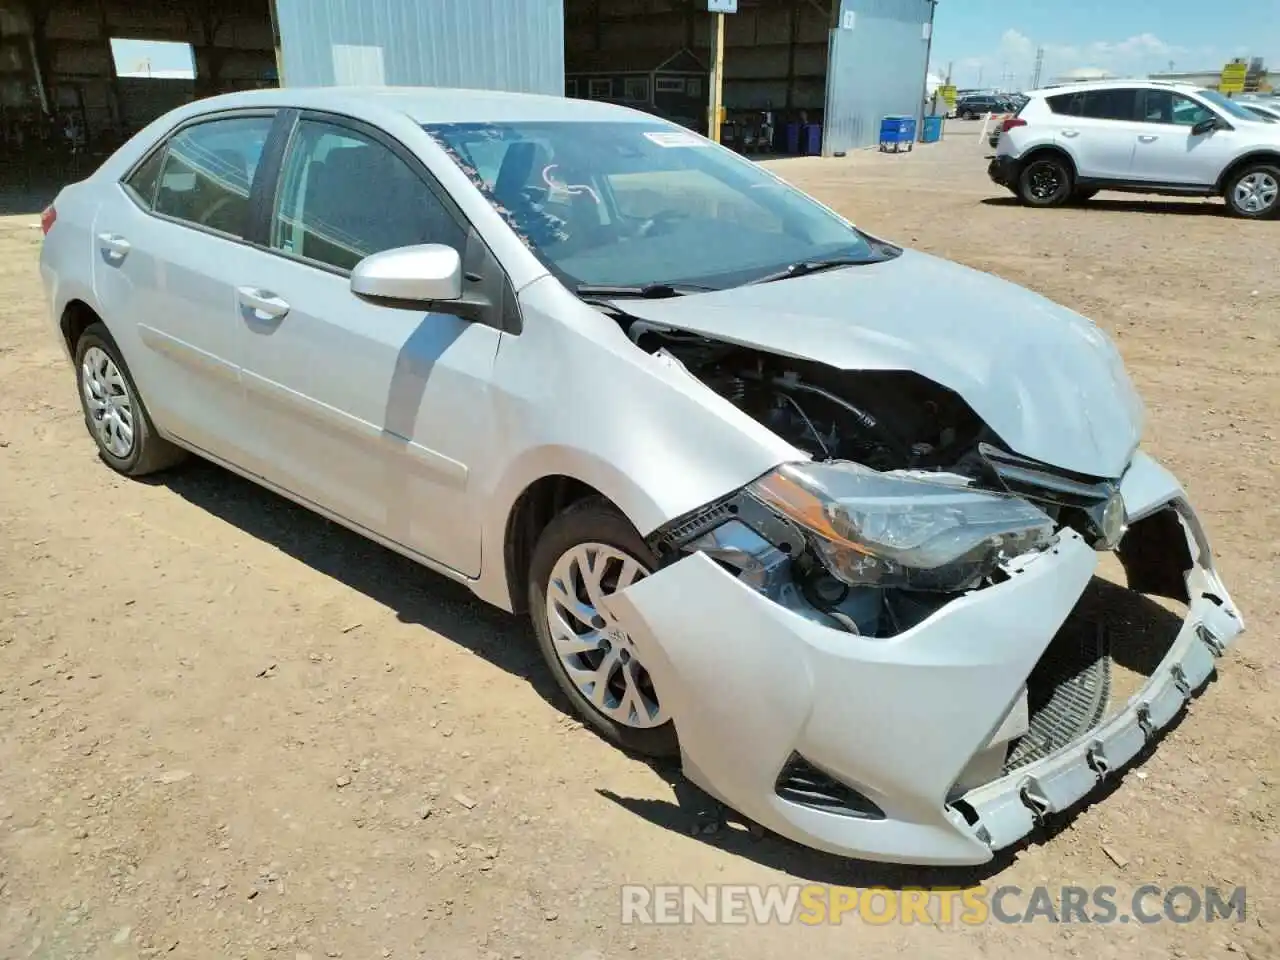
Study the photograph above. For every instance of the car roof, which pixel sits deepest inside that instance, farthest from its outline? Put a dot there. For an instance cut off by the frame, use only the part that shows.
(1084, 86)
(424, 104)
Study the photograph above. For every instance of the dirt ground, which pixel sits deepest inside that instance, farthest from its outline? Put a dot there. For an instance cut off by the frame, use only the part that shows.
(230, 729)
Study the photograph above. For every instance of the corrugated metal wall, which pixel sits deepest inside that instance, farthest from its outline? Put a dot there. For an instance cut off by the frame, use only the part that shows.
(879, 55)
(513, 45)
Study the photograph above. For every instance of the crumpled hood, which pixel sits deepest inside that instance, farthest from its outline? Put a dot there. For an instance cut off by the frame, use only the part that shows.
(1048, 381)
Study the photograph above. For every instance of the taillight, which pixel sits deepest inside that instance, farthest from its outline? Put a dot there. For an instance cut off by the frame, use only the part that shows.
(1013, 122)
(47, 219)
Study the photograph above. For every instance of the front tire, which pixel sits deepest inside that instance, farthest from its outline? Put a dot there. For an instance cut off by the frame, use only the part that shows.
(114, 413)
(1254, 192)
(588, 552)
(1045, 181)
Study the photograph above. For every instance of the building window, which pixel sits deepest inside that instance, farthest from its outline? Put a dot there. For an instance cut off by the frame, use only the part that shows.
(571, 87)
(693, 86)
(600, 89)
(671, 85)
(636, 88)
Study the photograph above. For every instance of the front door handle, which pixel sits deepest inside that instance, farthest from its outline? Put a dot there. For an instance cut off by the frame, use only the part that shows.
(114, 246)
(264, 304)
(1148, 138)
(1071, 133)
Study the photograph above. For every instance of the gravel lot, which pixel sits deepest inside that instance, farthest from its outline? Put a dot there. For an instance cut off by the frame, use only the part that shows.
(231, 729)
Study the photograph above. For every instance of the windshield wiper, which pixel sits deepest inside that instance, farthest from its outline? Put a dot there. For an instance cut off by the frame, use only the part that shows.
(804, 267)
(648, 291)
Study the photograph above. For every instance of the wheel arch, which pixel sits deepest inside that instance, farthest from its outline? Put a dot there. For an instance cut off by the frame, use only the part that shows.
(1049, 149)
(76, 317)
(1254, 156)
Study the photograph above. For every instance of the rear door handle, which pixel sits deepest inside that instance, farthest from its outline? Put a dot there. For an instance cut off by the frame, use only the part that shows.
(264, 304)
(1148, 138)
(1071, 133)
(114, 246)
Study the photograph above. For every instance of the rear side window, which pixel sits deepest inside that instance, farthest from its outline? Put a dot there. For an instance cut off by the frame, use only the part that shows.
(1120, 104)
(144, 179)
(1067, 104)
(208, 173)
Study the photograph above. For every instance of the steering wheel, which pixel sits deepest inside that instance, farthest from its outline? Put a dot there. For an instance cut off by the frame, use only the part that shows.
(207, 219)
(663, 219)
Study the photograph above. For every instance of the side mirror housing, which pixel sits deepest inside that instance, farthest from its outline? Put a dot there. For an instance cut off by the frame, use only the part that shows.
(428, 273)
(1205, 126)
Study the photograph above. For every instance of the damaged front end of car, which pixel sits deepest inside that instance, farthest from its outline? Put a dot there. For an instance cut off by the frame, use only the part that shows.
(894, 650)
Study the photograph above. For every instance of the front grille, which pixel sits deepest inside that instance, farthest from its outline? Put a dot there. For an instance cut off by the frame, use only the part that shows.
(1067, 692)
(803, 783)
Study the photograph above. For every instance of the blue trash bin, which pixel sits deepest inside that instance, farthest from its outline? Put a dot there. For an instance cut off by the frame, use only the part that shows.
(793, 137)
(812, 139)
(897, 131)
(932, 130)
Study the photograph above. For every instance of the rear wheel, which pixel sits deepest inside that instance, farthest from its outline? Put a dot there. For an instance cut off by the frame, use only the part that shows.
(1254, 192)
(1045, 181)
(585, 554)
(113, 410)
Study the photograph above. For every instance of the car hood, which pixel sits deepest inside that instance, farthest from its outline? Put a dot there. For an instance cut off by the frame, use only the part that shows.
(1045, 379)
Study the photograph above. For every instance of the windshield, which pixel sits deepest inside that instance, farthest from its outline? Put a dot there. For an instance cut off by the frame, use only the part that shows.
(1227, 105)
(633, 203)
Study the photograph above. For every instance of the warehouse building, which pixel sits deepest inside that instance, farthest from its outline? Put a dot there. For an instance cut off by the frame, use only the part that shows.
(819, 74)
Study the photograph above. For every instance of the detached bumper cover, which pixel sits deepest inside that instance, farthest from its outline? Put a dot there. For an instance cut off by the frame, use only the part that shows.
(751, 685)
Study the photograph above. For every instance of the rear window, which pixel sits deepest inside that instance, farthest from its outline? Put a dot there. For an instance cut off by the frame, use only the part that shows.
(1065, 103)
(1116, 104)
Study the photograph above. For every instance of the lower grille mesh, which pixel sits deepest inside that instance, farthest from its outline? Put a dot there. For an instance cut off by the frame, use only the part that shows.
(1067, 693)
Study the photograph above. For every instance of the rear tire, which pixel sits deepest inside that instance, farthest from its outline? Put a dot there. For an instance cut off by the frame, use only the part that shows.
(1045, 181)
(594, 530)
(114, 413)
(1253, 192)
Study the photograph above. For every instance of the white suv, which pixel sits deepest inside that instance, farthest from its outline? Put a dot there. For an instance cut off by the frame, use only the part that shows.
(1067, 143)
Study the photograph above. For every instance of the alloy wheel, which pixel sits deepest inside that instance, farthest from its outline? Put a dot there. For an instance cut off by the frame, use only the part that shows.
(1044, 180)
(598, 656)
(106, 395)
(1256, 192)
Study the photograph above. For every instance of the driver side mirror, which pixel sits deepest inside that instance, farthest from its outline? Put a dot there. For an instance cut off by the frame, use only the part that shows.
(1205, 126)
(428, 273)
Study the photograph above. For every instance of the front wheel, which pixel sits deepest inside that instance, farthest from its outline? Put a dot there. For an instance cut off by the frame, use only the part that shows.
(585, 554)
(1254, 192)
(1045, 182)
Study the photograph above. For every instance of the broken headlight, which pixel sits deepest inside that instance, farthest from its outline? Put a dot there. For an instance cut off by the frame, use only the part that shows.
(898, 530)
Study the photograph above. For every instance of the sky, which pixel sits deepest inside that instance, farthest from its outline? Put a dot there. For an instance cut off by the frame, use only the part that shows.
(133, 57)
(994, 42)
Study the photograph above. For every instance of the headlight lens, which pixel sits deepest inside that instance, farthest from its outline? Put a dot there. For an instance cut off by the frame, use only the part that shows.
(896, 530)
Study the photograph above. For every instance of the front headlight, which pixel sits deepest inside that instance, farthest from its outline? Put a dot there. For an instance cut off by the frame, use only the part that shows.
(893, 530)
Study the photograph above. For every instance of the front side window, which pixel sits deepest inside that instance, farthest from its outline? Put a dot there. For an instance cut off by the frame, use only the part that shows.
(208, 173)
(344, 196)
(1165, 106)
(637, 202)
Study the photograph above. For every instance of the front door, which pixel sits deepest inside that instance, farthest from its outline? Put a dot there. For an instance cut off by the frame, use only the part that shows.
(374, 412)
(1168, 152)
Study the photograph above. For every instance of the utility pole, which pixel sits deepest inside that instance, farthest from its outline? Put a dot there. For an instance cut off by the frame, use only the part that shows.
(717, 81)
(1035, 78)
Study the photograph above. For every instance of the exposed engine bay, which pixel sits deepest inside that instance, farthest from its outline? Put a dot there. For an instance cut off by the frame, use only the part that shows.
(886, 421)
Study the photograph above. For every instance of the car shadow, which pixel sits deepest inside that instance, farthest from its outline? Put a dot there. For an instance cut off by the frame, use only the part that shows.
(1199, 206)
(418, 596)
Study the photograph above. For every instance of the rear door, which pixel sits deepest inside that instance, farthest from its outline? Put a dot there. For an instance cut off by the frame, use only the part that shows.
(1167, 150)
(376, 413)
(168, 244)
(1096, 127)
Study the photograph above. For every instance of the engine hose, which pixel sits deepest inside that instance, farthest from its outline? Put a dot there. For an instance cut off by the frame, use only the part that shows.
(865, 420)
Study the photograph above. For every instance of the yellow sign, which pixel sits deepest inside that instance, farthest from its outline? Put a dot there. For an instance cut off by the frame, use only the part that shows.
(948, 94)
(1233, 76)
